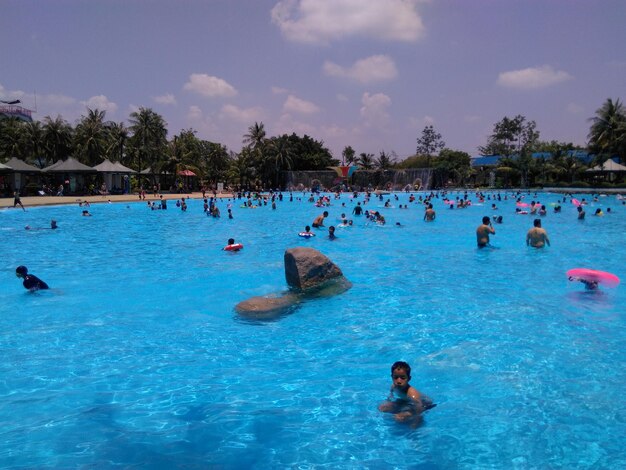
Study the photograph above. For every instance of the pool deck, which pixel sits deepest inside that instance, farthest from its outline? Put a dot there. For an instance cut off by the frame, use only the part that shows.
(31, 201)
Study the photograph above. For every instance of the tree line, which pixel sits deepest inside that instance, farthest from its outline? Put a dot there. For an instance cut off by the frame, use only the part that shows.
(143, 143)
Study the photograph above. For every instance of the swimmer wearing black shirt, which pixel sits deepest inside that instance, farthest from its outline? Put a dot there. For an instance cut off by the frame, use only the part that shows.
(31, 282)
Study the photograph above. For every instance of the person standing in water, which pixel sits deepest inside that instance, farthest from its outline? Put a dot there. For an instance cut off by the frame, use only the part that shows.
(31, 282)
(537, 237)
(483, 231)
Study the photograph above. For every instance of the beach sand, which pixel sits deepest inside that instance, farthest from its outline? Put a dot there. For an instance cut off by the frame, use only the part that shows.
(31, 201)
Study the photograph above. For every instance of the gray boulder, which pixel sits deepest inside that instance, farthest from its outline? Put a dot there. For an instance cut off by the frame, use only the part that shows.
(306, 268)
(309, 273)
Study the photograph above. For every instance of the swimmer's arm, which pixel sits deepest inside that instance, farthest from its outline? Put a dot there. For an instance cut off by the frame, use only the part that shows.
(416, 398)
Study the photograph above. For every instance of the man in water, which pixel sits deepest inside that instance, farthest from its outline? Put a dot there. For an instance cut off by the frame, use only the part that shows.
(537, 237)
(483, 231)
(31, 282)
(429, 215)
(319, 220)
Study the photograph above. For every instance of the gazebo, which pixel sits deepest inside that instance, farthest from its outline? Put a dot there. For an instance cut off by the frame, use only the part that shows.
(22, 173)
(70, 172)
(115, 176)
(609, 169)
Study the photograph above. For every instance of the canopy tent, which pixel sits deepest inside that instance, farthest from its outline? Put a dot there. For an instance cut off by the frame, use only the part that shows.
(22, 173)
(70, 165)
(21, 166)
(609, 165)
(115, 177)
(107, 166)
(609, 170)
(3, 167)
(75, 172)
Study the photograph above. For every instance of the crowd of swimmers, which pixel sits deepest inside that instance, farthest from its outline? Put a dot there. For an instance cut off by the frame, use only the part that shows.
(536, 236)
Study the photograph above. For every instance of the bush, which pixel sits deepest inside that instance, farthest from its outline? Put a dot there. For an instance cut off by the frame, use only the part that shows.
(580, 184)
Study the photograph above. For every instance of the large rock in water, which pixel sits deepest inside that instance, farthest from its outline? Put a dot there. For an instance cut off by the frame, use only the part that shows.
(309, 273)
(306, 268)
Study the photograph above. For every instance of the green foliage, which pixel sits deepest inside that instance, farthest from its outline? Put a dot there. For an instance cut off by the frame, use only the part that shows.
(607, 135)
(430, 142)
(514, 136)
(148, 143)
(416, 161)
(90, 137)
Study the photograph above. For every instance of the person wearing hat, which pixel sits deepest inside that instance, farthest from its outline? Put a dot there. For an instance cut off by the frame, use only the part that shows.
(31, 282)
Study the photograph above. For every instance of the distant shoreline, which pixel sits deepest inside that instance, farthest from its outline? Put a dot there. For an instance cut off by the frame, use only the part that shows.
(34, 201)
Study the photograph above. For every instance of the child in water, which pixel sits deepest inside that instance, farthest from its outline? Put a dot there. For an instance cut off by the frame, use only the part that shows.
(404, 401)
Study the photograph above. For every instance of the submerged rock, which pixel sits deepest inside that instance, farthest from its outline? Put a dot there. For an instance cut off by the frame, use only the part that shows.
(271, 306)
(309, 273)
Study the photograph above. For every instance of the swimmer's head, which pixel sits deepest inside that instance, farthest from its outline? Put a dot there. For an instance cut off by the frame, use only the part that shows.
(401, 365)
(21, 271)
(231, 241)
(486, 220)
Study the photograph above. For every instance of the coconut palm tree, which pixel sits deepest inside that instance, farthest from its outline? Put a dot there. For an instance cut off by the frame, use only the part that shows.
(149, 139)
(607, 135)
(116, 140)
(366, 160)
(57, 134)
(383, 162)
(33, 142)
(255, 137)
(90, 137)
(12, 138)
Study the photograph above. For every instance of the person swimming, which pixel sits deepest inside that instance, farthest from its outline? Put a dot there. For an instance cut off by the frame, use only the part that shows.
(31, 282)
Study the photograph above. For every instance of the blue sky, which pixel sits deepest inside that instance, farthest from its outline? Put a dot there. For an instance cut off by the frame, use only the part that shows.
(365, 73)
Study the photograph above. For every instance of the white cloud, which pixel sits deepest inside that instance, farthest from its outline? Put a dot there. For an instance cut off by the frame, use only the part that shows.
(287, 125)
(321, 21)
(194, 113)
(342, 98)
(246, 116)
(101, 103)
(279, 91)
(297, 105)
(532, 78)
(168, 98)
(374, 109)
(209, 86)
(376, 68)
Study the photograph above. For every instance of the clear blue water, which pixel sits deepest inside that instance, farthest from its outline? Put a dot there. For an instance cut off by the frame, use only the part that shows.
(136, 358)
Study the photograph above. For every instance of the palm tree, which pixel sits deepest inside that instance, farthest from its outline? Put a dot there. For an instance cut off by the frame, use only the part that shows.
(116, 139)
(383, 162)
(255, 136)
(91, 136)
(242, 168)
(149, 139)
(607, 135)
(32, 134)
(349, 155)
(279, 157)
(57, 134)
(11, 138)
(366, 160)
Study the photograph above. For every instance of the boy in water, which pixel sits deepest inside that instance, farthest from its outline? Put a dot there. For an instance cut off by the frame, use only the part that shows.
(404, 401)
(31, 282)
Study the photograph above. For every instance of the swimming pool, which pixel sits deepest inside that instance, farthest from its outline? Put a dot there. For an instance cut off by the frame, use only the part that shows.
(135, 357)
